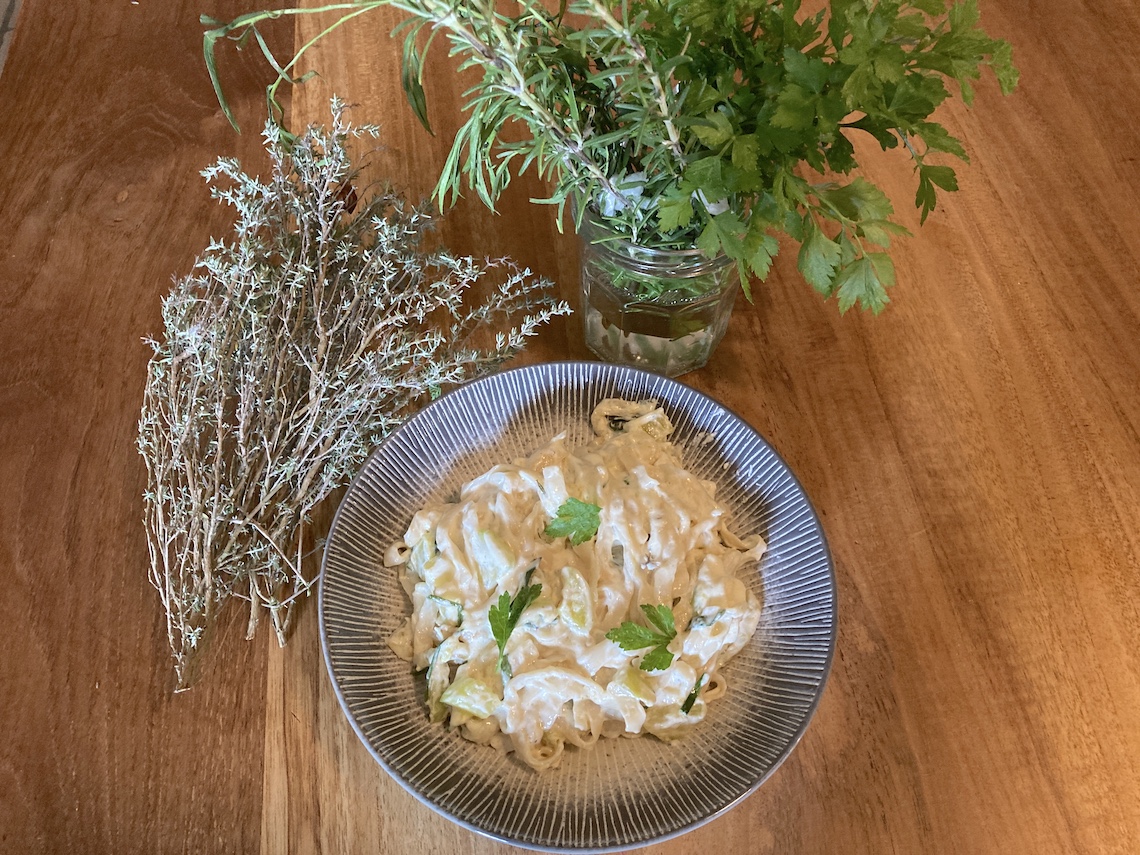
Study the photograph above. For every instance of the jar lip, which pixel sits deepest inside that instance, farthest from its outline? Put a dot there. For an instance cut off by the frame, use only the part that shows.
(622, 250)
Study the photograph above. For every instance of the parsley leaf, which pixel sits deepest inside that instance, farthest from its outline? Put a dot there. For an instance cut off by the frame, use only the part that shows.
(662, 618)
(937, 138)
(1007, 75)
(809, 72)
(928, 178)
(859, 200)
(504, 616)
(707, 175)
(746, 152)
(818, 259)
(761, 248)
(795, 108)
(576, 520)
(633, 636)
(714, 130)
(865, 281)
(657, 659)
(674, 212)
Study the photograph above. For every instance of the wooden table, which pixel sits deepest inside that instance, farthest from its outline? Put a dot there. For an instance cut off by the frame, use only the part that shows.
(974, 454)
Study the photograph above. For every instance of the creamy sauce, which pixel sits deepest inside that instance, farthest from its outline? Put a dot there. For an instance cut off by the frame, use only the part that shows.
(661, 540)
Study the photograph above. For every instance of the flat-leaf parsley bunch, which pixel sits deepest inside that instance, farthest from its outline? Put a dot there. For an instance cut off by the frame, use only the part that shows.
(715, 123)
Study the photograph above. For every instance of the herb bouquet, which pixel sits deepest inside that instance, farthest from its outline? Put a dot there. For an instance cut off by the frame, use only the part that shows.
(688, 135)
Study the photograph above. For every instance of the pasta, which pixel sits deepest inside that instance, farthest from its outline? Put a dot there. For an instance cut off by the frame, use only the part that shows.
(532, 593)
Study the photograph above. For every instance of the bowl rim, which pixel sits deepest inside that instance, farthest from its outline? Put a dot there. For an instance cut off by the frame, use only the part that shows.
(810, 710)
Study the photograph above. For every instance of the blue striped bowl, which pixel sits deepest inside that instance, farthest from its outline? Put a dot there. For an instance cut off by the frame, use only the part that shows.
(625, 792)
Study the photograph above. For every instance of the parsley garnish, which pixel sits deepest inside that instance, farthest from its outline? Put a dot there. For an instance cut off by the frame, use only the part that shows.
(504, 616)
(633, 636)
(693, 695)
(576, 520)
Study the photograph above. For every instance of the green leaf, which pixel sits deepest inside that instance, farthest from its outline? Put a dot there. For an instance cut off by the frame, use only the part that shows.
(858, 282)
(912, 25)
(657, 659)
(880, 231)
(703, 97)
(576, 520)
(731, 233)
(925, 198)
(884, 269)
(943, 176)
(759, 250)
(661, 617)
(707, 175)
(890, 63)
(937, 138)
(1002, 63)
(504, 616)
(708, 241)
(967, 91)
(848, 252)
(807, 71)
(818, 258)
(674, 212)
(209, 46)
(841, 155)
(880, 129)
(916, 97)
(499, 617)
(861, 85)
(963, 16)
(831, 109)
(859, 200)
(795, 108)
(526, 595)
(412, 79)
(714, 130)
(746, 152)
(632, 636)
(930, 177)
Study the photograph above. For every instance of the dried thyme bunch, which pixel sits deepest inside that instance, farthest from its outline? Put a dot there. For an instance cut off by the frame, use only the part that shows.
(287, 354)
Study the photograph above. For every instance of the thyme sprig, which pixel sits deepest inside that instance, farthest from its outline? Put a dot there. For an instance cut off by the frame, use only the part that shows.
(286, 355)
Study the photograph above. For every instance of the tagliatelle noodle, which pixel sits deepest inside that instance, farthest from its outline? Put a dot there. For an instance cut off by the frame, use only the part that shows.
(661, 539)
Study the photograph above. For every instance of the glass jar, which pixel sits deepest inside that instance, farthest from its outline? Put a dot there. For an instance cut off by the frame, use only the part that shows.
(672, 332)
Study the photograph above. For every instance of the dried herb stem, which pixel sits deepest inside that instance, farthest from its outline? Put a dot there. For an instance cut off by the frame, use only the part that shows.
(289, 352)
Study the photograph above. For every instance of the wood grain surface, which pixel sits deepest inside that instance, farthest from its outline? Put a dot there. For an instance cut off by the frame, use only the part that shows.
(108, 117)
(974, 453)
